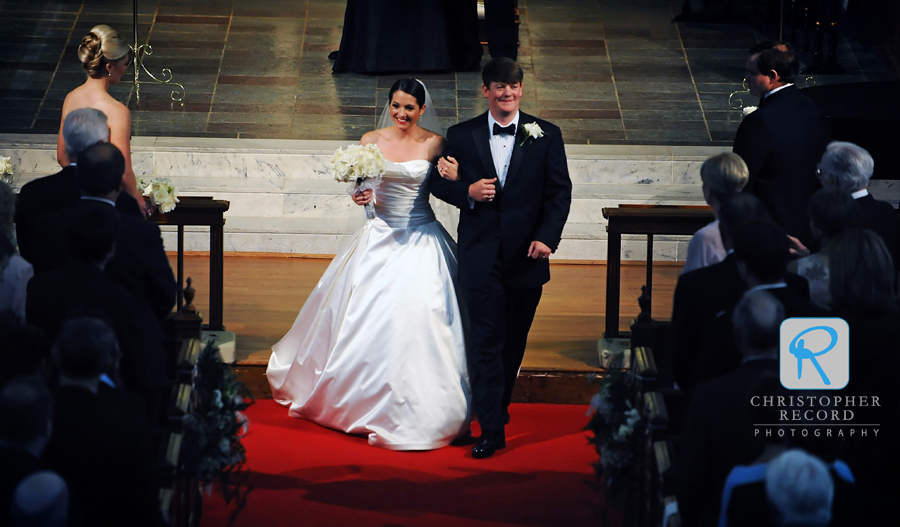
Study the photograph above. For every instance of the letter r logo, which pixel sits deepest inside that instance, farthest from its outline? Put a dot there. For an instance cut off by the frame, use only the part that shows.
(814, 353)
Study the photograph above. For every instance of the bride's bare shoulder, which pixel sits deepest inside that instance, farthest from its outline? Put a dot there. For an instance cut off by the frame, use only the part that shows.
(376, 136)
(435, 143)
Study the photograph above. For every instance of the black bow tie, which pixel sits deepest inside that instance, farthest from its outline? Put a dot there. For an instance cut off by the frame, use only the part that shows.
(499, 130)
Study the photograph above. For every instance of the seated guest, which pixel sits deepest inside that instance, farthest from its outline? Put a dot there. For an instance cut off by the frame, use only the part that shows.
(718, 428)
(831, 210)
(15, 271)
(26, 412)
(861, 288)
(41, 500)
(800, 489)
(762, 250)
(693, 304)
(81, 284)
(849, 167)
(783, 478)
(105, 454)
(722, 175)
(140, 264)
(81, 129)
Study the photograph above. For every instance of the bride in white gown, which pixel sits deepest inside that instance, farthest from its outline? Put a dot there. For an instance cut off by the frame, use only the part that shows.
(378, 348)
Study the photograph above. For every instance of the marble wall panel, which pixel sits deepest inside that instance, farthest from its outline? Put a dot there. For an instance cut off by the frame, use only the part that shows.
(142, 164)
(620, 171)
(687, 172)
(167, 163)
(248, 204)
(32, 160)
(318, 206)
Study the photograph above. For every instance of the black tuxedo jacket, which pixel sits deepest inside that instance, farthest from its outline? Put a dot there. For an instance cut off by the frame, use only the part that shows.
(533, 204)
(782, 143)
(699, 295)
(51, 296)
(882, 218)
(140, 264)
(107, 457)
(717, 435)
(52, 193)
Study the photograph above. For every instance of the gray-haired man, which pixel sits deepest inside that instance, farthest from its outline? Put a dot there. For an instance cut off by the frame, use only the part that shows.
(849, 167)
(81, 129)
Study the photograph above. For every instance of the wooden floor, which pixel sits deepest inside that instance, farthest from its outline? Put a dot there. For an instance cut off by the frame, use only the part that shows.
(264, 293)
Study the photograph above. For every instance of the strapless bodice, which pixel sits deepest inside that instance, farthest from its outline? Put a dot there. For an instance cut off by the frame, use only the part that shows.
(402, 198)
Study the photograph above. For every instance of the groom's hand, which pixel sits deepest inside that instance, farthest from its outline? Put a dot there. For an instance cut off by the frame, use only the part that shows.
(538, 251)
(483, 190)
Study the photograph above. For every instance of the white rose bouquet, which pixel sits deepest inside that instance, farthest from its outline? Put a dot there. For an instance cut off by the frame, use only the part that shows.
(161, 193)
(7, 171)
(362, 165)
(747, 110)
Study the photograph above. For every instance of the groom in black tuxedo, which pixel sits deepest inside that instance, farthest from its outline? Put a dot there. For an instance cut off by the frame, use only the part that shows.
(513, 192)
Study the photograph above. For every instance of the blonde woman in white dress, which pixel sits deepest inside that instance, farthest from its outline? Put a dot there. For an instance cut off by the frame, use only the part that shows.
(378, 349)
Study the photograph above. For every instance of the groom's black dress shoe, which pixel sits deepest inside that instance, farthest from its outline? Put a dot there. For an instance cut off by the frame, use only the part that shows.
(489, 443)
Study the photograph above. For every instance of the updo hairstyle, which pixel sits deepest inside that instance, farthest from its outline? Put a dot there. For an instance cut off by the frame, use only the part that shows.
(100, 47)
(410, 86)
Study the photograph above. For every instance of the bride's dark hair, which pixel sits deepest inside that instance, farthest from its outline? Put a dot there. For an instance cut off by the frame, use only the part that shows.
(410, 86)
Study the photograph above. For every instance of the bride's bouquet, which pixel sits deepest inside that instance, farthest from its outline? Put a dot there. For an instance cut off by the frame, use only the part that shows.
(161, 192)
(362, 165)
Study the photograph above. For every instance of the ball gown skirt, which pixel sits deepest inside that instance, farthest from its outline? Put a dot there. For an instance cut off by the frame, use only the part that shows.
(378, 348)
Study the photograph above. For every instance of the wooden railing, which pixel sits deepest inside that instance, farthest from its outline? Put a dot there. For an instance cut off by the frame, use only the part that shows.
(203, 211)
(649, 220)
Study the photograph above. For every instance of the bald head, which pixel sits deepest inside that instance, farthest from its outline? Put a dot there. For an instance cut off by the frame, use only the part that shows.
(41, 499)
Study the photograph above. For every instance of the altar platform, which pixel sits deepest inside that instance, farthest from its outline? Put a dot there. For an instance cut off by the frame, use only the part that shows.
(264, 292)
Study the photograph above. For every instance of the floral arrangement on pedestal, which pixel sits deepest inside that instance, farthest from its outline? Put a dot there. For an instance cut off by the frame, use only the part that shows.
(7, 171)
(613, 422)
(163, 195)
(212, 453)
(361, 164)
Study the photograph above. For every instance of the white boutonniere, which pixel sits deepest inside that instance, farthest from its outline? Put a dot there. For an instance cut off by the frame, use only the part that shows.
(747, 110)
(533, 131)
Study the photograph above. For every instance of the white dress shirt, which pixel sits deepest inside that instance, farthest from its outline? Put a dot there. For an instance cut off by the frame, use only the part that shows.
(501, 147)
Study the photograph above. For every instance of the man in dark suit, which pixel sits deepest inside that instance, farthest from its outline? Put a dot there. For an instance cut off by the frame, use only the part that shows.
(81, 284)
(849, 167)
(514, 193)
(762, 251)
(502, 31)
(781, 141)
(139, 264)
(694, 304)
(82, 128)
(104, 453)
(26, 413)
(718, 432)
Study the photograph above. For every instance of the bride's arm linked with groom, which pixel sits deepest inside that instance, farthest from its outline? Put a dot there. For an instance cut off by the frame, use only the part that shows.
(514, 193)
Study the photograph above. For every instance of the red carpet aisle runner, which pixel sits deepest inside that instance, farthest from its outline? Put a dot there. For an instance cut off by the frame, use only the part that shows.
(307, 475)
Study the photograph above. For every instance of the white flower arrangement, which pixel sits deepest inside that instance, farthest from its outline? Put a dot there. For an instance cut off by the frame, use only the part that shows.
(7, 171)
(747, 110)
(533, 131)
(161, 193)
(363, 165)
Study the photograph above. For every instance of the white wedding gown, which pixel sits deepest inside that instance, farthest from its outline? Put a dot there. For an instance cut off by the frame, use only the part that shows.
(378, 348)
